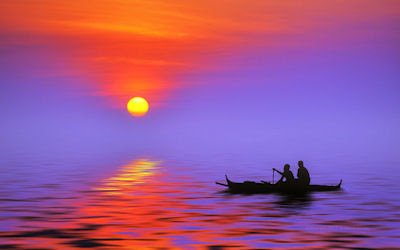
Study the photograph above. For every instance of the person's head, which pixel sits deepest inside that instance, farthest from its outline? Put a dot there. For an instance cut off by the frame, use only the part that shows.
(286, 167)
(300, 164)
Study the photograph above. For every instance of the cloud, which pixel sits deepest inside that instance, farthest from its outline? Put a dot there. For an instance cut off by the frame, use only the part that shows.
(129, 48)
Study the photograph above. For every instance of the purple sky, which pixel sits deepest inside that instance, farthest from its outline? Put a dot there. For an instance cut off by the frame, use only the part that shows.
(336, 93)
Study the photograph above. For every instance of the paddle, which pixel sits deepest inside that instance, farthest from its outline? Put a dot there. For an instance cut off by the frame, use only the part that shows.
(273, 176)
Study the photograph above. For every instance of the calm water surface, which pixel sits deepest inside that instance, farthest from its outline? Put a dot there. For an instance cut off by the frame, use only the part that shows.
(153, 203)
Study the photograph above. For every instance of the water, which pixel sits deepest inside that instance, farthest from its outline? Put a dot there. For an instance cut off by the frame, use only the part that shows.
(149, 202)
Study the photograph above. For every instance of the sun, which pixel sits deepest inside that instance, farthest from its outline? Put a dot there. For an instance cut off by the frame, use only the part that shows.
(137, 106)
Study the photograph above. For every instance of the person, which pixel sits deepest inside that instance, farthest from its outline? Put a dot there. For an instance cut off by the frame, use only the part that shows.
(287, 174)
(303, 177)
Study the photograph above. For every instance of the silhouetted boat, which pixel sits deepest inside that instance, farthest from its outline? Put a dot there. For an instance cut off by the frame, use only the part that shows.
(250, 187)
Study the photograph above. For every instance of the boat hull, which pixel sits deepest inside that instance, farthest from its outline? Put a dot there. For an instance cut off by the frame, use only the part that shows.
(264, 187)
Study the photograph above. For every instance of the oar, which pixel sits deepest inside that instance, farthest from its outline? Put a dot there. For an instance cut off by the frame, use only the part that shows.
(273, 176)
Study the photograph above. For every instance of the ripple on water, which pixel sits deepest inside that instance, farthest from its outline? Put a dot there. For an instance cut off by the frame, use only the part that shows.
(144, 204)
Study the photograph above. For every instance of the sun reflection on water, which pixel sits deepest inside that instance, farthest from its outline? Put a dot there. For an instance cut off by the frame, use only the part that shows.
(133, 173)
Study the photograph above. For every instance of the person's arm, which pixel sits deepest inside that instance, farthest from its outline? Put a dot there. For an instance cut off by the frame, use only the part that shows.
(277, 171)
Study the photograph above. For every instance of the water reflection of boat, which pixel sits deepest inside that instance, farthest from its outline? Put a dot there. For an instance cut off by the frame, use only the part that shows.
(251, 187)
(294, 200)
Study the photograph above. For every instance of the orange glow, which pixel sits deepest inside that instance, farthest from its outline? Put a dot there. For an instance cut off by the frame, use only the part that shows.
(140, 48)
(145, 205)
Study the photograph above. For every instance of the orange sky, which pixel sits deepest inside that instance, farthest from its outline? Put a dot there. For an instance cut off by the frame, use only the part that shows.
(137, 48)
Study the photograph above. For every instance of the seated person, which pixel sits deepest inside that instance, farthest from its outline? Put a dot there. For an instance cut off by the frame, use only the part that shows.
(287, 174)
(303, 177)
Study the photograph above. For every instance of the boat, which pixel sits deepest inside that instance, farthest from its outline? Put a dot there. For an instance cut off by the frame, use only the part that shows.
(251, 187)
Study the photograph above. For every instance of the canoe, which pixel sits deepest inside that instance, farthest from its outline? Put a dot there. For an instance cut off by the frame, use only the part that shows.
(250, 187)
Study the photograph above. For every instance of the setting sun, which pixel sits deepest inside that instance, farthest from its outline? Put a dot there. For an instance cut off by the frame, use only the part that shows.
(137, 106)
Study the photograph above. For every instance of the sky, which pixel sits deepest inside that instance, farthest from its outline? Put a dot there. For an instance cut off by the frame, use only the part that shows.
(250, 77)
